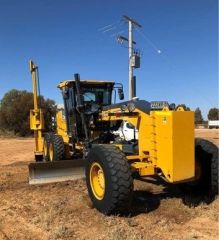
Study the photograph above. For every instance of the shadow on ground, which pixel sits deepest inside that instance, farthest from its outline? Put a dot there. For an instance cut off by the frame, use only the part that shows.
(147, 201)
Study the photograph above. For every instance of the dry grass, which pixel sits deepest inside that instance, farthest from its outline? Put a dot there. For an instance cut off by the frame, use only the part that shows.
(208, 210)
(61, 232)
(123, 232)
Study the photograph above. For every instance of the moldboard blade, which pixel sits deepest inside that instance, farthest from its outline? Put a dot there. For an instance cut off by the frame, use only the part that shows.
(59, 171)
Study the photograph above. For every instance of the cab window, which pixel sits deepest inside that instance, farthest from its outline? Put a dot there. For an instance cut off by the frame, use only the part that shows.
(89, 96)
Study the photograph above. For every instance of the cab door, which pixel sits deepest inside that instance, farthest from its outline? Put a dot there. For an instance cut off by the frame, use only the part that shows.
(70, 111)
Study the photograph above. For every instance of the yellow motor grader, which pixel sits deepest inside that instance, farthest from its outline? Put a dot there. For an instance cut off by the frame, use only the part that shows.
(85, 142)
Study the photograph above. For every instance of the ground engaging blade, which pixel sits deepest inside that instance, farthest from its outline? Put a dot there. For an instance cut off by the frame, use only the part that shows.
(48, 172)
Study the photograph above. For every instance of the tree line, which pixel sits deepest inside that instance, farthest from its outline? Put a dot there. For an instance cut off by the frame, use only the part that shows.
(213, 114)
(15, 112)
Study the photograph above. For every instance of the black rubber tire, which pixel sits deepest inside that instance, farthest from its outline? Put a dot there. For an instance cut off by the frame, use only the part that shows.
(57, 144)
(47, 137)
(206, 155)
(118, 179)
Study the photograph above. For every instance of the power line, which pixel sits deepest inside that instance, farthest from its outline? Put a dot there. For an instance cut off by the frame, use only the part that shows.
(166, 58)
(107, 26)
(110, 26)
(149, 41)
(161, 54)
(109, 29)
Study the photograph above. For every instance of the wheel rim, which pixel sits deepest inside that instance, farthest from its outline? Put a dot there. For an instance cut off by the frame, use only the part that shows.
(51, 153)
(97, 181)
(45, 149)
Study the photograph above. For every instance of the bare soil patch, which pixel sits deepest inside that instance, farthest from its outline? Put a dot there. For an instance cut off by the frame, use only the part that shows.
(209, 134)
(64, 211)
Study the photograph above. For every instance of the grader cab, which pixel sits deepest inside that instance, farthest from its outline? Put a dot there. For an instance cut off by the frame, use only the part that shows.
(84, 141)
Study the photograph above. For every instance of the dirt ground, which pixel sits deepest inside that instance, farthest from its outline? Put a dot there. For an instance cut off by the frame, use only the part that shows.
(63, 210)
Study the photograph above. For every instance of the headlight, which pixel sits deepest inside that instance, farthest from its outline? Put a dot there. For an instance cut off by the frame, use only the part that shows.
(131, 106)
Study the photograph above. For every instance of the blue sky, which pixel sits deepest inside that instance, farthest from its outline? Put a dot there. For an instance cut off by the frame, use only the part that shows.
(62, 37)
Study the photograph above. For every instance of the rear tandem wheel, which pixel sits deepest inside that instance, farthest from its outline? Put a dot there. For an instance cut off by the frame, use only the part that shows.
(56, 148)
(46, 142)
(206, 170)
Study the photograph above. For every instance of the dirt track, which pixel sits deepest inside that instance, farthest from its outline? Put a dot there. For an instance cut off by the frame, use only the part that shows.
(63, 210)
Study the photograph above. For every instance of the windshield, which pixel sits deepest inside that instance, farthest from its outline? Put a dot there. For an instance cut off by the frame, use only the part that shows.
(98, 95)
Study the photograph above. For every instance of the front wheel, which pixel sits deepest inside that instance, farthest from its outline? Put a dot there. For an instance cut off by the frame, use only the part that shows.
(109, 179)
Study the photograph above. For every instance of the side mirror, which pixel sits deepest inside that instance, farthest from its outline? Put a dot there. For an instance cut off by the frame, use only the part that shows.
(121, 94)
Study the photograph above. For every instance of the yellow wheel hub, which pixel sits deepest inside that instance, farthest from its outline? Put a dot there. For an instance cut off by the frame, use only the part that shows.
(97, 180)
(51, 152)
